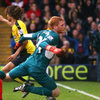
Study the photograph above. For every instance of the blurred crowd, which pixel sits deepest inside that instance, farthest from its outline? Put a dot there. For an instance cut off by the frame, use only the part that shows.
(82, 21)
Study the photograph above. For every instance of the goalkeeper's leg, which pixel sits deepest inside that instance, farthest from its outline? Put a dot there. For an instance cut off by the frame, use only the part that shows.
(9, 67)
(49, 88)
(18, 71)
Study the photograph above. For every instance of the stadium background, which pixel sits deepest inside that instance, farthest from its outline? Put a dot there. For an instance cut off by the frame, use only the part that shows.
(82, 19)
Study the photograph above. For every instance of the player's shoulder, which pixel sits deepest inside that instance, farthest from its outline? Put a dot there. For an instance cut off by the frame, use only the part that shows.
(47, 33)
(43, 32)
(50, 32)
(20, 22)
(54, 34)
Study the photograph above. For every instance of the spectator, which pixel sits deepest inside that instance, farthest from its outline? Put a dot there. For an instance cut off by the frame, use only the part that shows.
(96, 45)
(93, 28)
(98, 27)
(67, 57)
(97, 11)
(17, 2)
(79, 29)
(72, 7)
(80, 14)
(34, 9)
(29, 4)
(81, 50)
(98, 1)
(75, 34)
(97, 20)
(63, 4)
(46, 18)
(43, 3)
(88, 9)
(72, 27)
(87, 24)
(46, 9)
(56, 10)
(31, 28)
(51, 3)
(63, 14)
(74, 17)
(29, 21)
(38, 24)
(73, 40)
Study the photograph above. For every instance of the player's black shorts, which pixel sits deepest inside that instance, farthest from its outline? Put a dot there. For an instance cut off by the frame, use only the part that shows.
(20, 58)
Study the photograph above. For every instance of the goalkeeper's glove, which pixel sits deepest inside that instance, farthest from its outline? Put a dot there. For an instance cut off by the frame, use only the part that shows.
(17, 45)
(54, 49)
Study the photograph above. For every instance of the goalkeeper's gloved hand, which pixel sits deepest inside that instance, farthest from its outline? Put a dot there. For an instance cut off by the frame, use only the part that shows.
(17, 45)
(54, 49)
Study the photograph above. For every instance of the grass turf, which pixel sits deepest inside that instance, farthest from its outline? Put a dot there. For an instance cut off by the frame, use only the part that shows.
(90, 87)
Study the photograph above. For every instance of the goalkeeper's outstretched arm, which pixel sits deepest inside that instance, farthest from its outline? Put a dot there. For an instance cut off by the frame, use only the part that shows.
(25, 37)
(28, 37)
(43, 44)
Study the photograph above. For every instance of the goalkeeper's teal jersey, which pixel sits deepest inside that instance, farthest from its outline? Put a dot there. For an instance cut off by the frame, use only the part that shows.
(41, 57)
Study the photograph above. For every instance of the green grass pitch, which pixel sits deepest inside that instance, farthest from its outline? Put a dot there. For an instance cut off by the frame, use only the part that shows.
(89, 87)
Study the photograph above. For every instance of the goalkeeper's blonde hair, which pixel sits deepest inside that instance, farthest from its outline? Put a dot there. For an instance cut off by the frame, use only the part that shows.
(54, 21)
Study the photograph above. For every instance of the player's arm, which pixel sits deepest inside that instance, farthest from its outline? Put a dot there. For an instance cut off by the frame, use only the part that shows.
(48, 47)
(5, 20)
(24, 38)
(28, 37)
(13, 56)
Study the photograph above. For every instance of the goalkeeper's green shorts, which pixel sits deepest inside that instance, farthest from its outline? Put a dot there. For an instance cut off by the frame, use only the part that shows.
(41, 77)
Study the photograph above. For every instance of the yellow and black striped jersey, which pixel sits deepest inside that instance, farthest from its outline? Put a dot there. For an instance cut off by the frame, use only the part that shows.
(18, 29)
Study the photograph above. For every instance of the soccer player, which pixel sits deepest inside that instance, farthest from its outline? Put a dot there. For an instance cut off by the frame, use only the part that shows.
(35, 66)
(14, 14)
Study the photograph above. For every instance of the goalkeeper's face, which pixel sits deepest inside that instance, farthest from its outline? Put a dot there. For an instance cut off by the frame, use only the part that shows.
(61, 27)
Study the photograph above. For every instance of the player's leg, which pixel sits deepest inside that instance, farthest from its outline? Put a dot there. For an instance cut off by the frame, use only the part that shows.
(19, 59)
(18, 71)
(49, 86)
(8, 67)
(12, 64)
(47, 82)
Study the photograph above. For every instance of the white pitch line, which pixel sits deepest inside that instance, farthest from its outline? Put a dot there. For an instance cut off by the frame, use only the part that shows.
(79, 91)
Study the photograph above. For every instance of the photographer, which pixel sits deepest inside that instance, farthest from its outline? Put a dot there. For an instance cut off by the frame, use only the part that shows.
(96, 46)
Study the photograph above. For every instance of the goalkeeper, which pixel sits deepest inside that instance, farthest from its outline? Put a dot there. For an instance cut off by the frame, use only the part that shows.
(35, 66)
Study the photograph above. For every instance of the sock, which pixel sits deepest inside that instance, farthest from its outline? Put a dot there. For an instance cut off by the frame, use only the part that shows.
(19, 80)
(38, 90)
(2, 75)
